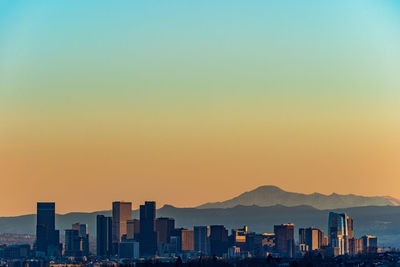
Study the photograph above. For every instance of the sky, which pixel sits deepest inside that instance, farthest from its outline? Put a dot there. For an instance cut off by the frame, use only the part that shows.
(187, 102)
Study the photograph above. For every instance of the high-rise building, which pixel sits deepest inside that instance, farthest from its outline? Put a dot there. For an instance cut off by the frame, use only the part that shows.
(164, 228)
(218, 240)
(350, 228)
(104, 236)
(72, 243)
(355, 246)
(370, 244)
(183, 240)
(148, 234)
(83, 233)
(284, 238)
(121, 213)
(238, 237)
(257, 244)
(133, 229)
(84, 237)
(202, 239)
(187, 240)
(311, 237)
(47, 237)
(338, 234)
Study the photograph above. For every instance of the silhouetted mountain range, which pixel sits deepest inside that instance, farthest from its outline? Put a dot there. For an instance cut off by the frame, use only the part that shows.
(265, 196)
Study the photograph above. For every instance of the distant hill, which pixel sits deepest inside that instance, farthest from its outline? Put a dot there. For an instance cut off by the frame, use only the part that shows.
(265, 196)
(382, 221)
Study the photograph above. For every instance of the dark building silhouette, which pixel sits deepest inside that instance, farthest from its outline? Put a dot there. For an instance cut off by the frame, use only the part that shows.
(284, 239)
(83, 238)
(165, 228)
(148, 234)
(202, 239)
(369, 244)
(15, 252)
(47, 237)
(72, 243)
(104, 236)
(83, 233)
(218, 240)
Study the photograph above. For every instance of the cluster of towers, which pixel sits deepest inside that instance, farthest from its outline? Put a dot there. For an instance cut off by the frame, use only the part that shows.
(122, 236)
(340, 239)
(48, 238)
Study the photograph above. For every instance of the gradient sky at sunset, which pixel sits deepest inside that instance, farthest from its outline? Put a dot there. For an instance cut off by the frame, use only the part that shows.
(185, 102)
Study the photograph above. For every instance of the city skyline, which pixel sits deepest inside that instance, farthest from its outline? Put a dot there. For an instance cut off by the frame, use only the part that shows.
(158, 236)
(174, 101)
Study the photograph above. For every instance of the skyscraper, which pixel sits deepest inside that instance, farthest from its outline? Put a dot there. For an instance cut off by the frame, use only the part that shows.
(83, 233)
(83, 236)
(148, 234)
(338, 234)
(72, 243)
(104, 236)
(121, 213)
(164, 228)
(133, 229)
(187, 240)
(202, 239)
(218, 240)
(370, 244)
(311, 237)
(284, 237)
(47, 237)
(355, 246)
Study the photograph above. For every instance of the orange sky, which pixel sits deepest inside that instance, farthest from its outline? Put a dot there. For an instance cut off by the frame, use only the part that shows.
(192, 102)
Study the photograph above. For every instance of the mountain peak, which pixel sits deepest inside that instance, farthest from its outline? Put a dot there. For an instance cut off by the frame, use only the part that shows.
(267, 188)
(270, 195)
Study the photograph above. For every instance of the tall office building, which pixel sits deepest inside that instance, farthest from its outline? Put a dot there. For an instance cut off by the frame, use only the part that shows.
(202, 239)
(313, 238)
(72, 243)
(121, 213)
(47, 237)
(284, 238)
(338, 234)
(350, 227)
(83, 233)
(164, 227)
(355, 246)
(218, 240)
(133, 229)
(104, 236)
(238, 237)
(83, 236)
(370, 244)
(187, 240)
(148, 234)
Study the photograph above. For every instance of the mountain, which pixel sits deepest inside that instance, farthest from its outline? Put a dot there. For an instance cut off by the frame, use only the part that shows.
(382, 221)
(271, 195)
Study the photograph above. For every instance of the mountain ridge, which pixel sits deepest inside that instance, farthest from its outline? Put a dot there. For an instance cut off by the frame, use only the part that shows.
(269, 195)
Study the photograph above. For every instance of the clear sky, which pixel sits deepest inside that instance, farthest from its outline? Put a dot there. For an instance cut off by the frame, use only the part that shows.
(185, 102)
